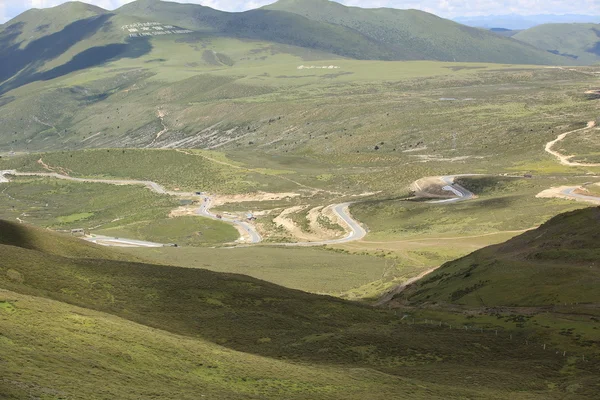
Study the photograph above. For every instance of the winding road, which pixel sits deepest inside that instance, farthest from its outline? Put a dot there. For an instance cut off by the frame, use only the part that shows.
(460, 192)
(245, 227)
(570, 192)
(357, 232)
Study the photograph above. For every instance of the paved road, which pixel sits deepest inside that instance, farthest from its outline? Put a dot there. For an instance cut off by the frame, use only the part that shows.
(250, 231)
(460, 192)
(570, 192)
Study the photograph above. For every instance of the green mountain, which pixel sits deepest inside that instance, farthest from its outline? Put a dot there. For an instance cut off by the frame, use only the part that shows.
(554, 265)
(580, 42)
(136, 330)
(45, 44)
(77, 76)
(41, 45)
(417, 35)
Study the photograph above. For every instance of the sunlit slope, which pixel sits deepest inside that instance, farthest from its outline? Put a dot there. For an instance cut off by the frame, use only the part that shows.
(416, 35)
(73, 352)
(555, 264)
(580, 42)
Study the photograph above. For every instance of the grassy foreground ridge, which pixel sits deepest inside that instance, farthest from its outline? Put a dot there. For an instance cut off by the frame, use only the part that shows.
(197, 309)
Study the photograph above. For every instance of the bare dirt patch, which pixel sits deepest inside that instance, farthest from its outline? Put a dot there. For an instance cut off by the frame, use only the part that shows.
(317, 232)
(252, 197)
(184, 211)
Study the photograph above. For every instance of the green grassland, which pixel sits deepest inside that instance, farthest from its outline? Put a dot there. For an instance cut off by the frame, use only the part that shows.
(502, 204)
(172, 169)
(416, 34)
(62, 204)
(121, 211)
(564, 251)
(546, 277)
(228, 324)
(584, 146)
(184, 231)
(116, 105)
(309, 270)
(55, 350)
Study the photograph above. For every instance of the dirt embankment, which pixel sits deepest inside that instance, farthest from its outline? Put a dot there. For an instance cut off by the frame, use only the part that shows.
(316, 231)
(251, 197)
(430, 188)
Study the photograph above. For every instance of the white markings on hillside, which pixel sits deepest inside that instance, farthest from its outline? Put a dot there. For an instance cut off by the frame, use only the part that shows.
(146, 29)
(318, 67)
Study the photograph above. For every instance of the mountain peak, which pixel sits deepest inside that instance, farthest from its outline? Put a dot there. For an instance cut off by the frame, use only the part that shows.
(78, 6)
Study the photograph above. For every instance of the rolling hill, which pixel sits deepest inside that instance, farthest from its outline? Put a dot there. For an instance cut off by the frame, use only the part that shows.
(417, 35)
(581, 42)
(77, 76)
(147, 324)
(554, 265)
(46, 44)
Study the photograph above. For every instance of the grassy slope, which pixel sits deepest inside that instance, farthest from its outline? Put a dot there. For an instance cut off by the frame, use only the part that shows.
(310, 270)
(38, 23)
(51, 243)
(174, 170)
(122, 211)
(184, 231)
(60, 204)
(419, 35)
(318, 331)
(41, 45)
(273, 26)
(552, 265)
(577, 41)
(55, 350)
(585, 147)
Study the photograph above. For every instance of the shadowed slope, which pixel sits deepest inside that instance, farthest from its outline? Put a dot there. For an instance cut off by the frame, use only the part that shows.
(50, 243)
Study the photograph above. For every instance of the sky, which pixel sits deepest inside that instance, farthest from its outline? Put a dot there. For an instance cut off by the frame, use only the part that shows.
(443, 8)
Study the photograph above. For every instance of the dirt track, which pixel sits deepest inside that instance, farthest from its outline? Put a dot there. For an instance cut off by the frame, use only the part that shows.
(564, 160)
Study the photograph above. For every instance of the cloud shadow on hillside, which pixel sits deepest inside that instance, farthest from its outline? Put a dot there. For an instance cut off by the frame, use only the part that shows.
(20, 66)
(596, 48)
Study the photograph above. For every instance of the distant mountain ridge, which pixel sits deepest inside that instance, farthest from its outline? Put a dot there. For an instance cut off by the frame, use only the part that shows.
(376, 34)
(519, 22)
(578, 41)
(414, 34)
